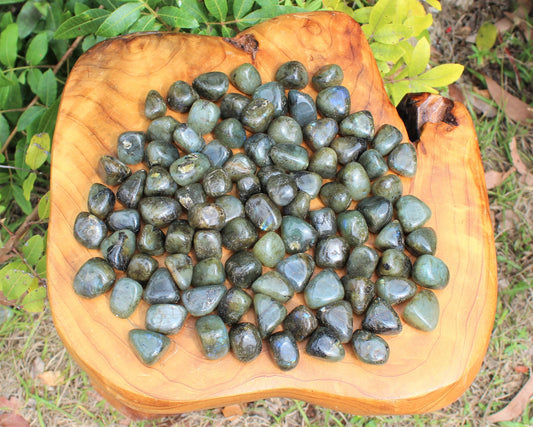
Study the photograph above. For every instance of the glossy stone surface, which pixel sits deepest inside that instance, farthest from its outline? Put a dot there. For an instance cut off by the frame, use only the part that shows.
(325, 345)
(360, 124)
(324, 163)
(377, 211)
(203, 300)
(159, 183)
(217, 153)
(187, 138)
(233, 207)
(161, 288)
(388, 186)
(124, 219)
(162, 153)
(216, 182)
(352, 226)
(332, 252)
(257, 147)
(300, 322)
(151, 240)
(394, 263)
(154, 105)
(422, 312)
(269, 314)
(246, 78)
(206, 216)
(212, 85)
(354, 177)
(263, 213)
(203, 117)
(190, 168)
(89, 230)
(335, 196)
(130, 147)
(281, 189)
(431, 272)
(233, 305)
(309, 182)
(161, 129)
(159, 211)
(285, 130)
(370, 348)
(209, 271)
(297, 235)
(395, 290)
(101, 200)
(302, 107)
(239, 165)
(118, 248)
(290, 156)
(320, 133)
(359, 292)
(275, 285)
(141, 267)
(269, 249)
(362, 261)
(284, 350)
(292, 75)
(191, 195)
(257, 115)
(181, 96)
(179, 237)
(297, 269)
(274, 92)
(390, 237)
(149, 346)
(112, 171)
(213, 336)
(239, 234)
(326, 76)
(95, 277)
(324, 222)
(299, 207)
(125, 297)
(323, 289)
(422, 241)
(374, 163)
(167, 319)
(180, 267)
(245, 342)
(348, 148)
(334, 102)
(207, 243)
(413, 213)
(242, 268)
(380, 318)
(387, 139)
(403, 160)
(266, 172)
(232, 105)
(337, 317)
(230, 133)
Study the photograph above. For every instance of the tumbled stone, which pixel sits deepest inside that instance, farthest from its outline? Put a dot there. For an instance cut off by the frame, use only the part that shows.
(388, 186)
(380, 318)
(326, 76)
(159, 211)
(202, 300)
(284, 350)
(431, 272)
(230, 132)
(308, 182)
(124, 219)
(323, 289)
(320, 133)
(422, 241)
(325, 345)
(362, 261)
(159, 182)
(269, 249)
(191, 195)
(245, 341)
(181, 96)
(413, 213)
(422, 312)
(297, 269)
(269, 314)
(302, 107)
(373, 163)
(354, 177)
(207, 216)
(402, 160)
(336, 196)
(395, 290)
(377, 211)
(337, 317)
(387, 139)
(360, 124)
(180, 267)
(332, 252)
(161, 153)
(118, 248)
(141, 267)
(348, 148)
(390, 237)
(334, 102)
(352, 226)
(209, 271)
(207, 244)
(130, 147)
(179, 237)
(203, 117)
(167, 319)
(89, 230)
(359, 292)
(151, 240)
(95, 277)
(101, 200)
(242, 268)
(370, 348)
(275, 285)
(301, 322)
(291, 157)
(273, 92)
(211, 85)
(161, 288)
(149, 346)
(112, 170)
(297, 234)
(213, 336)
(233, 305)
(246, 78)
(324, 222)
(189, 169)
(394, 262)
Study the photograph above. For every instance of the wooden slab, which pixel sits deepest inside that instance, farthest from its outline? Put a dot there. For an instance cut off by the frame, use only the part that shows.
(104, 97)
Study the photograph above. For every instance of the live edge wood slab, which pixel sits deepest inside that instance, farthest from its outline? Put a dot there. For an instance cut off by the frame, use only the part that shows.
(104, 97)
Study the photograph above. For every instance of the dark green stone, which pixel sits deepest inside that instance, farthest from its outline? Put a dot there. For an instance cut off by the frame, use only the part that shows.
(217, 153)
(377, 211)
(213, 336)
(181, 96)
(257, 115)
(274, 92)
(242, 268)
(112, 170)
(326, 76)
(395, 290)
(323, 289)
(206, 216)
(431, 272)
(387, 139)
(154, 105)
(309, 182)
(348, 148)
(124, 219)
(141, 267)
(422, 241)
(285, 130)
(257, 147)
(362, 262)
(390, 237)
(179, 237)
(247, 186)
(337, 317)
(394, 263)
(203, 117)
(159, 183)
(297, 269)
(190, 168)
(297, 234)
(267, 172)
(203, 300)
(370, 348)
(325, 345)
(101, 200)
(269, 314)
(149, 346)
(207, 244)
(162, 153)
(151, 240)
(95, 277)
(422, 312)
(118, 248)
(130, 147)
(352, 226)
(246, 78)
(187, 138)
(354, 177)
(302, 107)
(374, 164)
(332, 252)
(402, 160)
(413, 213)
(320, 133)
(281, 189)
(292, 75)
(324, 222)
(269, 249)
(212, 85)
(233, 305)
(209, 271)
(388, 186)
(89, 230)
(161, 129)
(324, 162)
(232, 105)
(230, 133)
(290, 157)
(284, 350)
(239, 165)
(336, 196)
(360, 124)
(359, 292)
(180, 267)
(263, 213)
(167, 319)
(191, 195)
(299, 207)
(161, 288)
(275, 285)
(300, 322)
(233, 207)
(245, 341)
(159, 211)
(380, 318)
(125, 297)
(216, 182)
(334, 102)
(239, 234)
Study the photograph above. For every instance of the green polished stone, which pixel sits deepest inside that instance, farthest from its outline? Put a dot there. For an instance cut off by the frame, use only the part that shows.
(308, 182)
(354, 177)
(242, 268)
(239, 165)
(213, 336)
(297, 269)
(159, 210)
(202, 300)
(189, 169)
(422, 311)
(130, 147)
(337, 317)
(320, 133)
(302, 107)
(299, 207)
(245, 341)
(141, 267)
(431, 272)
(151, 240)
(275, 285)
(101, 200)
(269, 249)
(161, 129)
(284, 350)
(362, 261)
(325, 345)
(377, 211)
(348, 148)
(374, 163)
(206, 216)
(394, 262)
(257, 115)
(239, 234)
(274, 92)
(292, 75)
(211, 85)
(324, 221)
(162, 153)
(395, 290)
(266, 172)
(112, 171)
(118, 248)
(159, 182)
(300, 322)
(387, 139)
(246, 78)
(217, 153)
(324, 162)
(388, 186)
(263, 212)
(180, 267)
(281, 189)
(269, 314)
(203, 117)
(422, 241)
(154, 105)
(332, 252)
(207, 244)
(191, 195)
(149, 346)
(247, 186)
(360, 124)
(216, 182)
(257, 147)
(380, 318)
(89, 230)
(124, 219)
(412, 212)
(181, 96)
(359, 292)
(161, 288)
(167, 319)
(233, 305)
(232, 105)
(95, 277)
(285, 130)
(403, 160)
(125, 297)
(334, 102)
(336, 196)
(323, 289)
(352, 226)
(209, 271)
(230, 133)
(370, 348)
(390, 237)
(179, 237)
(290, 157)
(233, 207)
(297, 234)
(188, 138)
(326, 76)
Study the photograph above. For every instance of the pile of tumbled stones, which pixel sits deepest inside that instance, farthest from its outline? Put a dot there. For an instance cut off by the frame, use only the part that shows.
(181, 206)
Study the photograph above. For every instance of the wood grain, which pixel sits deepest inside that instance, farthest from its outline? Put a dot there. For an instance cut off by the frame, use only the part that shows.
(104, 96)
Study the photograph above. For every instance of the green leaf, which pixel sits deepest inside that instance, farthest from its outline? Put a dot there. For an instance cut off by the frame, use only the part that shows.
(43, 208)
(47, 88)
(263, 14)
(392, 33)
(15, 279)
(339, 5)
(4, 129)
(435, 4)
(486, 36)
(382, 13)
(4, 81)
(27, 185)
(194, 8)
(37, 49)
(34, 79)
(11, 1)
(242, 7)
(418, 23)
(397, 90)
(24, 204)
(80, 25)
(79, 8)
(120, 20)
(29, 116)
(40, 267)
(33, 249)
(441, 75)
(177, 18)
(387, 52)
(8, 45)
(146, 23)
(383, 67)
(38, 150)
(48, 120)
(27, 19)
(227, 31)
(419, 59)
(33, 301)
(362, 15)
(217, 8)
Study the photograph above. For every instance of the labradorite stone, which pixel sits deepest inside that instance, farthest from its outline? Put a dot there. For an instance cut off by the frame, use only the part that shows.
(206, 216)
(362, 261)
(212, 85)
(203, 118)
(159, 182)
(161, 129)
(130, 147)
(285, 130)
(242, 268)
(179, 237)
(161, 288)
(233, 207)
(324, 344)
(180, 267)
(290, 157)
(422, 241)
(336, 196)
(348, 148)
(181, 96)
(187, 138)
(297, 234)
(422, 312)
(257, 147)
(267, 172)
(230, 133)
(354, 177)
(245, 341)
(162, 153)
(207, 244)
(112, 170)
(390, 237)
(239, 165)
(124, 219)
(203, 300)
(125, 297)
(413, 213)
(239, 234)
(388, 186)
(209, 271)
(257, 115)
(263, 213)
(377, 211)
(167, 319)
(402, 160)
(395, 290)
(95, 277)
(151, 240)
(337, 317)
(359, 292)
(387, 139)
(284, 350)
(216, 182)
(101, 200)
(141, 267)
(323, 289)
(149, 346)
(324, 222)
(275, 285)
(320, 133)
(394, 262)
(299, 207)
(300, 322)
(159, 211)
(191, 195)
(246, 78)
(374, 163)
(326, 76)
(380, 318)
(269, 314)
(332, 252)
(233, 305)
(232, 105)
(154, 105)
(309, 182)
(281, 189)
(297, 269)
(190, 168)
(89, 230)
(118, 248)
(292, 75)
(324, 163)
(352, 226)
(217, 153)
(273, 92)
(213, 336)
(370, 348)
(334, 102)
(269, 249)
(302, 107)
(360, 124)
(430, 272)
